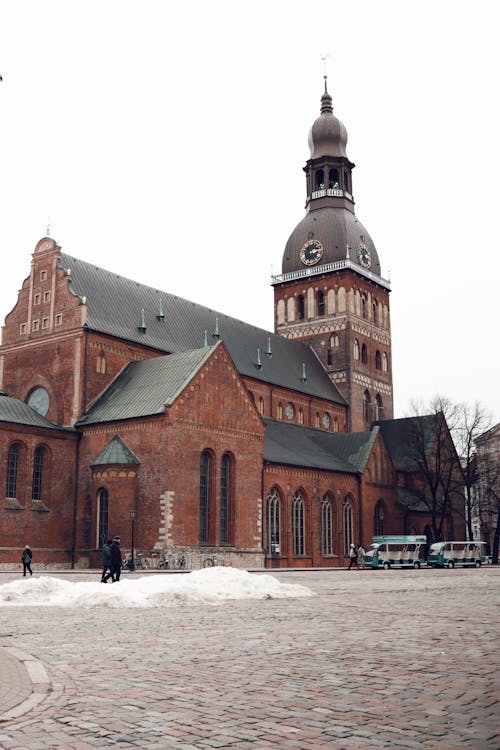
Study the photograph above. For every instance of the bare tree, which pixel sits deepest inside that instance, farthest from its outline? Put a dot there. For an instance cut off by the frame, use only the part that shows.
(436, 473)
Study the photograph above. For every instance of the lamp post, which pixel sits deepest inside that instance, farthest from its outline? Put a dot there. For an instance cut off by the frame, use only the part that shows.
(132, 560)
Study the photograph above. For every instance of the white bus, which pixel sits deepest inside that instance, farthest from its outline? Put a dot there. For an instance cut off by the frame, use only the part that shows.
(452, 554)
(396, 552)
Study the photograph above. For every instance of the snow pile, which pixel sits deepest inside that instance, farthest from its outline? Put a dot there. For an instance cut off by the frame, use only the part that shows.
(208, 586)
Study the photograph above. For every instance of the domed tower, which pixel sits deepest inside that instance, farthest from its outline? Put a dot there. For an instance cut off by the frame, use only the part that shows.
(330, 292)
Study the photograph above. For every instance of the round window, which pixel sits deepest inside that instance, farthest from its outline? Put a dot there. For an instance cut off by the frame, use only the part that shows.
(39, 400)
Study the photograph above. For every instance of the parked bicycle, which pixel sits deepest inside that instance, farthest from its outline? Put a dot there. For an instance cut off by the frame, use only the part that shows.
(139, 562)
(179, 562)
(213, 561)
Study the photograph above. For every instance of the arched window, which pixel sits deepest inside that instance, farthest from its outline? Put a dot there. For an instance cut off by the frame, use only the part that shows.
(385, 362)
(378, 360)
(326, 526)
(367, 406)
(205, 496)
(333, 178)
(280, 311)
(226, 497)
(364, 311)
(347, 525)
(39, 467)
(319, 179)
(101, 363)
(273, 523)
(300, 307)
(321, 303)
(380, 406)
(374, 313)
(356, 349)
(12, 469)
(378, 520)
(364, 354)
(298, 525)
(261, 405)
(102, 517)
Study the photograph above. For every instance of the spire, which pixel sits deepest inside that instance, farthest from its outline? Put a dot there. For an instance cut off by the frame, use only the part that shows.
(326, 99)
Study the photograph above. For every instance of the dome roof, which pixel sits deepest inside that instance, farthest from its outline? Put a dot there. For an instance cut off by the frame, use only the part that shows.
(340, 234)
(328, 136)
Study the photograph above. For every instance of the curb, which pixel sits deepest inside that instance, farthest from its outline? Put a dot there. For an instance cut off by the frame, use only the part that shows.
(38, 677)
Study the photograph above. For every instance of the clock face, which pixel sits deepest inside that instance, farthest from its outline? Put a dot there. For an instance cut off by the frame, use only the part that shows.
(39, 400)
(311, 252)
(364, 256)
(289, 411)
(326, 420)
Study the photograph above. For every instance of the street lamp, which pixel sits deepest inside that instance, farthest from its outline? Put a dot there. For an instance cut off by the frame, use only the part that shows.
(132, 560)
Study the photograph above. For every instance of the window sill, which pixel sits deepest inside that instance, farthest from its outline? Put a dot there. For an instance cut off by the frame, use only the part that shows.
(12, 504)
(39, 506)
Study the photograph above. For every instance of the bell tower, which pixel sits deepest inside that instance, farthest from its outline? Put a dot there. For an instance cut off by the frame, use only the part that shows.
(331, 293)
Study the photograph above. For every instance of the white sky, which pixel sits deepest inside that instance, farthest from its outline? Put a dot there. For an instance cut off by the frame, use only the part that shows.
(208, 586)
(165, 141)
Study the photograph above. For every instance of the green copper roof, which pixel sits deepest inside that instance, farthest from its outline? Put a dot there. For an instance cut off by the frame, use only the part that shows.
(115, 452)
(17, 412)
(145, 387)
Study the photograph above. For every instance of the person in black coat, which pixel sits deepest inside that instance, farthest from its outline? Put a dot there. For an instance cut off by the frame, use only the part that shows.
(107, 562)
(26, 560)
(116, 558)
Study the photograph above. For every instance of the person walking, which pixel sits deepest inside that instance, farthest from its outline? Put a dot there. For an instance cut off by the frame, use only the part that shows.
(360, 557)
(107, 562)
(353, 557)
(116, 558)
(26, 558)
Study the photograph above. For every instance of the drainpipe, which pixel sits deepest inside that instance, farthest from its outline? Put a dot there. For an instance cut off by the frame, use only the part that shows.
(75, 502)
(263, 514)
(360, 484)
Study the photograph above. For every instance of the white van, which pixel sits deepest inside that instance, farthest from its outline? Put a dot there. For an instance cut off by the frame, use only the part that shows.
(453, 554)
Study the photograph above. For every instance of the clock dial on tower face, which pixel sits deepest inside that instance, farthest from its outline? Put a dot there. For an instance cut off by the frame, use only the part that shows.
(311, 252)
(39, 400)
(364, 256)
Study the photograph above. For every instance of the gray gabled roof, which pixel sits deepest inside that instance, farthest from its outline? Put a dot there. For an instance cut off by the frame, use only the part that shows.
(145, 387)
(17, 412)
(400, 436)
(304, 446)
(173, 324)
(115, 452)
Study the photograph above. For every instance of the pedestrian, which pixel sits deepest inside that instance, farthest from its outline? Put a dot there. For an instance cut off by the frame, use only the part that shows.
(26, 560)
(360, 557)
(116, 558)
(353, 557)
(107, 562)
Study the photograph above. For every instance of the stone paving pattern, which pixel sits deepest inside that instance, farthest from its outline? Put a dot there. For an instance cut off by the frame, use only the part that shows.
(377, 659)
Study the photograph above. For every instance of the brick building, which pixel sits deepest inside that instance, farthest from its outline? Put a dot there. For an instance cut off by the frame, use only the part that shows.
(126, 409)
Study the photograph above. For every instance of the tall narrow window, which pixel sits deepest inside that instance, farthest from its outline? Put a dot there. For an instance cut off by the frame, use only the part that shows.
(367, 406)
(301, 306)
(102, 517)
(298, 525)
(326, 527)
(329, 357)
(380, 406)
(378, 360)
(226, 487)
(205, 477)
(347, 523)
(273, 546)
(364, 354)
(321, 303)
(38, 468)
(356, 349)
(101, 363)
(12, 468)
(378, 520)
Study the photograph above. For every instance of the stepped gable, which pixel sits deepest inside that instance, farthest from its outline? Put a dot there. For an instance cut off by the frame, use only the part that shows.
(296, 445)
(125, 309)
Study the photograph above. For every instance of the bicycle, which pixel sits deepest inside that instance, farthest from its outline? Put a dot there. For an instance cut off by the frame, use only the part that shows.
(213, 561)
(179, 562)
(141, 562)
(163, 562)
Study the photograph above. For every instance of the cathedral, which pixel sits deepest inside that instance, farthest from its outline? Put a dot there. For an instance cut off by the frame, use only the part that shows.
(127, 410)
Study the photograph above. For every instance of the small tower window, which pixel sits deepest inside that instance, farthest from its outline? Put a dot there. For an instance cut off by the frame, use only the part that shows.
(333, 179)
(300, 307)
(356, 349)
(364, 354)
(321, 303)
(378, 360)
(329, 357)
(320, 179)
(385, 362)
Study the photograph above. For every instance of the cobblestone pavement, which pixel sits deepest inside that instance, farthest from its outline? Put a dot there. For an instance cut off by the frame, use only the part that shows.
(378, 659)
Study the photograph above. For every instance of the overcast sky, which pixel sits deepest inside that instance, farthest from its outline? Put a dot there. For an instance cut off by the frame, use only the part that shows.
(165, 141)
